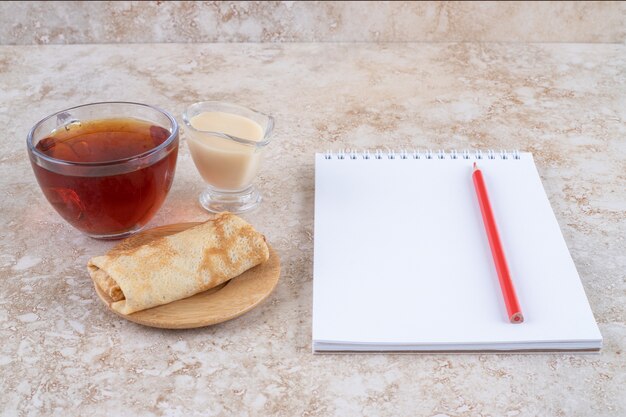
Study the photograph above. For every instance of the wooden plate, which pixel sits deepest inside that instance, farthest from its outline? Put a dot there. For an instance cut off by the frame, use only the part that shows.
(224, 302)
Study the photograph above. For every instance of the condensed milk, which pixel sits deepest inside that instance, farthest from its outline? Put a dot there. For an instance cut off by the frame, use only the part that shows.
(224, 163)
(226, 142)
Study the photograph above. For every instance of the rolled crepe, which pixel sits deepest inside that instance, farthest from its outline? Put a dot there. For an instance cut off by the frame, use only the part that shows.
(180, 265)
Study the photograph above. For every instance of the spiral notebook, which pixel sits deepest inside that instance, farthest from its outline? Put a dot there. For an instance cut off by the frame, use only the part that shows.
(402, 261)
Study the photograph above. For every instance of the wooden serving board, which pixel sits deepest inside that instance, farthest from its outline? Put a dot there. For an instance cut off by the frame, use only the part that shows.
(224, 302)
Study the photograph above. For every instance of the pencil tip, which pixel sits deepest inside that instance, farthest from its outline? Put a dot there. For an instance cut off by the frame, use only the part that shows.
(517, 318)
(475, 167)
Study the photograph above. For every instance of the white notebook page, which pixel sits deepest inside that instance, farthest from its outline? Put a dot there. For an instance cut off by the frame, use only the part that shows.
(402, 258)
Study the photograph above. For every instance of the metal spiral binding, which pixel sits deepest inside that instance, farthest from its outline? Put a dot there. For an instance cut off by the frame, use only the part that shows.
(418, 154)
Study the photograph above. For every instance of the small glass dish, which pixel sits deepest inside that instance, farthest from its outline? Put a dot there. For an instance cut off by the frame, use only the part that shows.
(228, 162)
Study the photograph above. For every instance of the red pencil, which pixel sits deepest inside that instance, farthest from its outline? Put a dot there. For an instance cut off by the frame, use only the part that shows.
(508, 291)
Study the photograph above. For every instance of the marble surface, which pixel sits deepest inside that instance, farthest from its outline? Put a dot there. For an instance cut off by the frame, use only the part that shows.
(63, 353)
(42, 22)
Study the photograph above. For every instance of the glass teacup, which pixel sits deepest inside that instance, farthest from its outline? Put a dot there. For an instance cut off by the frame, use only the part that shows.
(226, 142)
(106, 168)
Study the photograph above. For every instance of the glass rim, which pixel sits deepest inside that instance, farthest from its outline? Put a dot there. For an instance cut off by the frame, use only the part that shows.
(156, 149)
(257, 144)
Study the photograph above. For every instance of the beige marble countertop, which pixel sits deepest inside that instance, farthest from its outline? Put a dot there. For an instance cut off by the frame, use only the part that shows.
(40, 22)
(62, 353)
